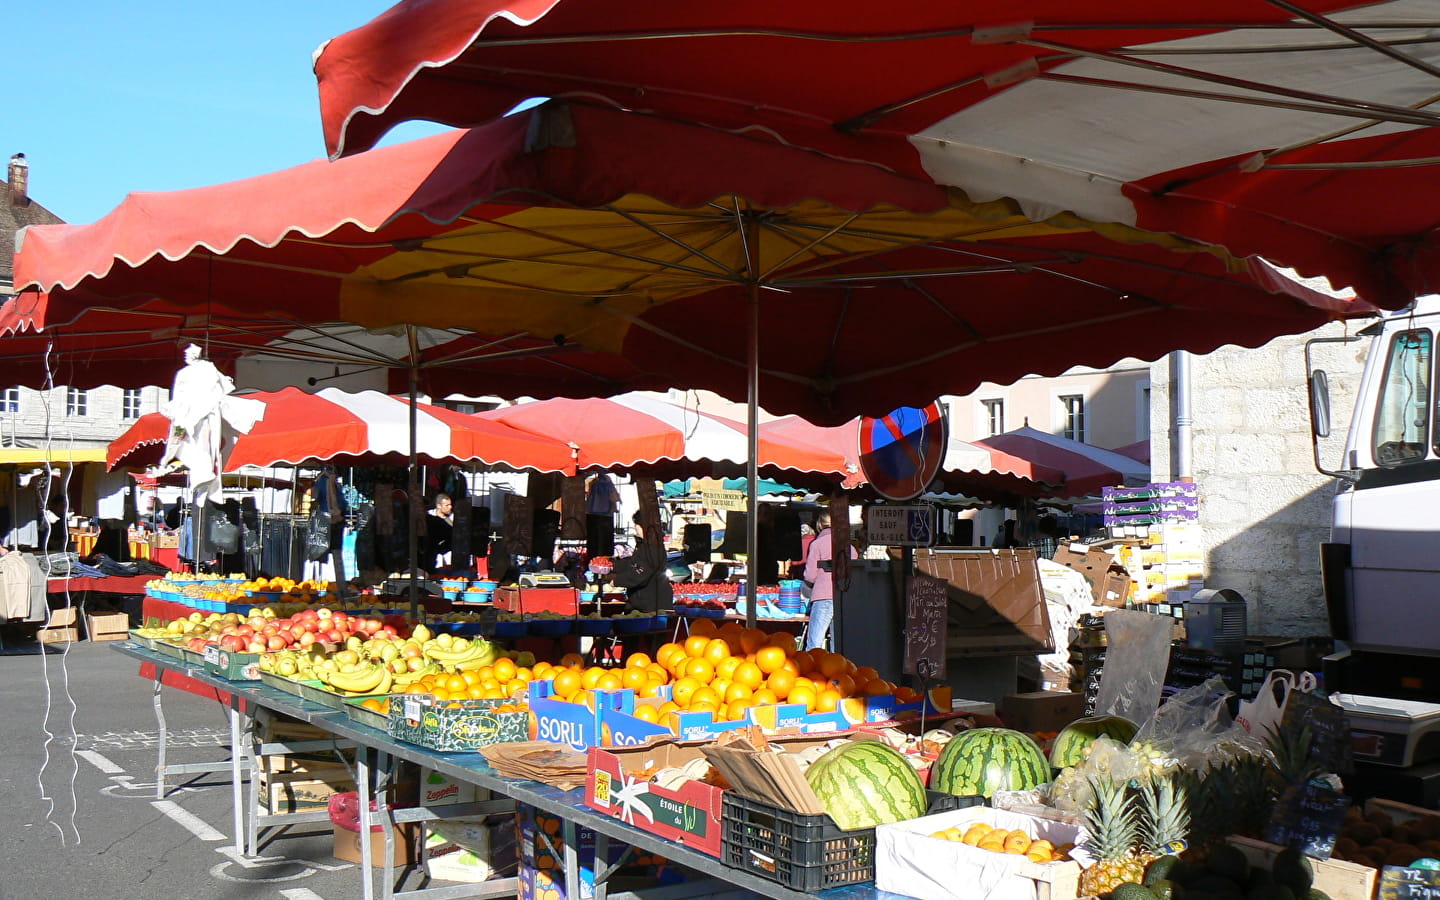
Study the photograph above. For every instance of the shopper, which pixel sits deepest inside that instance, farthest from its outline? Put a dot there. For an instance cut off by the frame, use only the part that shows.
(644, 575)
(439, 529)
(821, 582)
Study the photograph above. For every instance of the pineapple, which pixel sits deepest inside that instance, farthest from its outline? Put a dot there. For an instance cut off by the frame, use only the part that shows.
(1164, 817)
(1110, 819)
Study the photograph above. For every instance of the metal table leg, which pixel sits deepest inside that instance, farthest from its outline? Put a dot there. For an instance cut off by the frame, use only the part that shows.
(237, 775)
(160, 733)
(362, 791)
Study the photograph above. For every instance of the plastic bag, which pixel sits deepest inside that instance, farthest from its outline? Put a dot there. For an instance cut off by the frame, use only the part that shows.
(1265, 712)
(224, 535)
(1136, 659)
(1195, 729)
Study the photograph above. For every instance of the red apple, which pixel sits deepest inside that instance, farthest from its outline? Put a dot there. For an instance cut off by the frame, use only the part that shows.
(232, 643)
(275, 642)
(255, 647)
(306, 638)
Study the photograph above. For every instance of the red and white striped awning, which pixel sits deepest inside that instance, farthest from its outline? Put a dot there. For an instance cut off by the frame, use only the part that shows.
(360, 428)
(639, 431)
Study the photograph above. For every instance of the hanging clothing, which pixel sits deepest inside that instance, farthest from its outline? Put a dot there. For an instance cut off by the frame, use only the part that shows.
(22, 588)
(604, 496)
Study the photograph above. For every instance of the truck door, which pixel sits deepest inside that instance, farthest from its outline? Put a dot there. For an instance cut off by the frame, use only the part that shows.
(1391, 515)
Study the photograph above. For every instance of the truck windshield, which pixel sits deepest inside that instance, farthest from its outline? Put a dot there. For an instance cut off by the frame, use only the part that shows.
(1403, 412)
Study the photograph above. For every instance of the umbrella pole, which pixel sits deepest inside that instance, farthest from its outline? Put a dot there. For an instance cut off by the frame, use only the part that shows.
(752, 437)
(413, 487)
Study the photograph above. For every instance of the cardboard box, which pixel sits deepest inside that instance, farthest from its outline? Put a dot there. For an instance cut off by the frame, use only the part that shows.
(347, 844)
(170, 540)
(107, 626)
(689, 815)
(439, 789)
(276, 727)
(909, 861)
(541, 850)
(1100, 569)
(1042, 710)
(58, 635)
(292, 792)
(312, 765)
(59, 618)
(996, 604)
(565, 601)
(1339, 879)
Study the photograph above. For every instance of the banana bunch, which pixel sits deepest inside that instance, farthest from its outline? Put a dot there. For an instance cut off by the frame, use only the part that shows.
(408, 678)
(359, 678)
(460, 655)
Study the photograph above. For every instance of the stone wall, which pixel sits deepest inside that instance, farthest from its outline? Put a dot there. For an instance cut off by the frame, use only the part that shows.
(42, 414)
(1264, 508)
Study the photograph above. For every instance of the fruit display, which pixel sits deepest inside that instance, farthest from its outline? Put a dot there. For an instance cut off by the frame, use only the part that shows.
(999, 840)
(985, 760)
(1226, 873)
(1376, 840)
(862, 784)
(382, 662)
(724, 671)
(1072, 744)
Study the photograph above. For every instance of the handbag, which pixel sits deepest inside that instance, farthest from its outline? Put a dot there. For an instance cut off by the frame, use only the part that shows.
(223, 534)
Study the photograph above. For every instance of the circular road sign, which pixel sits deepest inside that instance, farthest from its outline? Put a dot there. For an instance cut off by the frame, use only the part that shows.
(900, 454)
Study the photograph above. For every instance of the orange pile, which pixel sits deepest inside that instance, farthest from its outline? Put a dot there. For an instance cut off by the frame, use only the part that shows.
(724, 672)
(503, 680)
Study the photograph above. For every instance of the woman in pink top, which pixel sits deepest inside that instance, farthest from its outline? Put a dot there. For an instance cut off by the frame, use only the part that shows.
(821, 582)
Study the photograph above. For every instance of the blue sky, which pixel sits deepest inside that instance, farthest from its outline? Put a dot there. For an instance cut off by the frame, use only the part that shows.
(106, 98)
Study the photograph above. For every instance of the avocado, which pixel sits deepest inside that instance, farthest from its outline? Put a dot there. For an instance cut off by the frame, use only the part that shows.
(1167, 890)
(1293, 870)
(1229, 862)
(1159, 869)
(1131, 891)
(1317, 895)
(1272, 891)
(1215, 884)
(1184, 872)
(1259, 876)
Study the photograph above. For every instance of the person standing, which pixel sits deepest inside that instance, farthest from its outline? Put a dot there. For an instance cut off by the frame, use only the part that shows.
(644, 575)
(821, 582)
(439, 529)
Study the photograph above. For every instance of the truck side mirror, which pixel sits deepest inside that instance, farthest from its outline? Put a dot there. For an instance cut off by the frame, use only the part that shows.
(1320, 403)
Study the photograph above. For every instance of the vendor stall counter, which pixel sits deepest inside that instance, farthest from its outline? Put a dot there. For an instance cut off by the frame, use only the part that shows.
(377, 756)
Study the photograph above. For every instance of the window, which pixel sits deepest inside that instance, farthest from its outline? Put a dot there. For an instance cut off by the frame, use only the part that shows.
(1072, 408)
(130, 404)
(1402, 409)
(994, 417)
(77, 402)
(10, 402)
(1142, 415)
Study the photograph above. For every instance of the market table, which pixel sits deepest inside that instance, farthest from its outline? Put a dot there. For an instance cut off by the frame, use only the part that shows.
(109, 584)
(468, 767)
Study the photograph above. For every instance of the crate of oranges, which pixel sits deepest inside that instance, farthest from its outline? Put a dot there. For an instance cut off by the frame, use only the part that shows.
(449, 725)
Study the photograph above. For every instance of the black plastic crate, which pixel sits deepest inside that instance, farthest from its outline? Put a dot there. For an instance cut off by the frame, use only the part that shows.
(803, 852)
(939, 801)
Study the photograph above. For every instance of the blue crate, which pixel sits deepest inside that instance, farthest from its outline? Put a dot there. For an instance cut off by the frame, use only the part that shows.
(549, 627)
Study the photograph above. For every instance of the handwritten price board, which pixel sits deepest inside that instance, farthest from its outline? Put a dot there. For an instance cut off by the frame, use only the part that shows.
(926, 604)
(1308, 817)
(1331, 741)
(1404, 883)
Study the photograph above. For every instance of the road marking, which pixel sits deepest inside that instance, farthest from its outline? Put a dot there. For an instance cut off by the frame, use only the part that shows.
(99, 761)
(260, 862)
(188, 820)
(300, 894)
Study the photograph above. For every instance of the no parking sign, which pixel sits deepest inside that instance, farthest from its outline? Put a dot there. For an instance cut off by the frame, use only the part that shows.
(901, 453)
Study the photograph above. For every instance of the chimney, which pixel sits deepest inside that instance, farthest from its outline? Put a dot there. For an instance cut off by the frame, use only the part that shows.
(19, 180)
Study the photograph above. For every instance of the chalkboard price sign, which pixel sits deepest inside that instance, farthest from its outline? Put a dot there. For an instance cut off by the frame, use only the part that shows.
(1331, 741)
(1403, 883)
(926, 605)
(1308, 817)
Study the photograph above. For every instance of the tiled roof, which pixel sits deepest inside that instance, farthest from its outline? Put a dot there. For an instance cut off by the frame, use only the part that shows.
(12, 219)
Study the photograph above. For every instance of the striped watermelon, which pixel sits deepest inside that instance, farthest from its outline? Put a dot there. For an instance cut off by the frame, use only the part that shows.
(1073, 739)
(986, 760)
(862, 784)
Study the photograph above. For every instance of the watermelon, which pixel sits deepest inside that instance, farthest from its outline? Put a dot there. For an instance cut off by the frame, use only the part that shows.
(985, 760)
(862, 784)
(1075, 738)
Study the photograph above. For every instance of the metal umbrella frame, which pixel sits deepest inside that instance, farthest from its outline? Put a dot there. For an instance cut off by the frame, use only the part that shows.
(1299, 130)
(632, 237)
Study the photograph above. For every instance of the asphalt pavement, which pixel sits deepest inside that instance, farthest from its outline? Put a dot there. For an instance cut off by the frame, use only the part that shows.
(78, 813)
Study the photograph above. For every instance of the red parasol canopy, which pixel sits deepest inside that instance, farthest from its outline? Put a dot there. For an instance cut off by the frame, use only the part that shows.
(1087, 469)
(360, 428)
(1300, 130)
(644, 244)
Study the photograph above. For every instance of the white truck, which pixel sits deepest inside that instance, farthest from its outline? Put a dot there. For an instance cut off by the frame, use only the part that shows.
(1381, 567)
